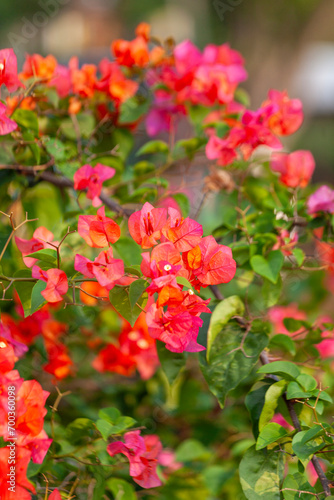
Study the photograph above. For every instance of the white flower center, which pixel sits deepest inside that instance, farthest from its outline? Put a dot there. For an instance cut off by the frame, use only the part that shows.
(142, 343)
(2, 345)
(167, 267)
(133, 335)
(2, 66)
(191, 292)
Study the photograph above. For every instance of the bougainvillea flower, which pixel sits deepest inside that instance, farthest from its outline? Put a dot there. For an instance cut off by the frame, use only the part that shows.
(146, 225)
(163, 114)
(92, 178)
(30, 408)
(131, 53)
(112, 359)
(19, 348)
(21, 483)
(7, 356)
(95, 289)
(6, 124)
(55, 495)
(56, 280)
(322, 200)
(177, 328)
(98, 230)
(40, 239)
(326, 346)
(286, 241)
(36, 66)
(114, 83)
(59, 363)
(61, 80)
(211, 263)
(279, 419)
(107, 270)
(296, 168)
(287, 114)
(38, 445)
(185, 234)
(277, 314)
(8, 70)
(142, 455)
(222, 150)
(83, 79)
(163, 260)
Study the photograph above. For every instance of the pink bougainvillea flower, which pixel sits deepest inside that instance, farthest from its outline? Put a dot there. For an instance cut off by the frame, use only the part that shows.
(287, 114)
(146, 225)
(61, 80)
(38, 445)
(222, 150)
(56, 280)
(322, 200)
(8, 70)
(40, 239)
(164, 260)
(7, 356)
(185, 234)
(142, 453)
(279, 419)
(211, 263)
(277, 314)
(98, 230)
(164, 113)
(6, 124)
(296, 168)
(107, 270)
(92, 178)
(326, 346)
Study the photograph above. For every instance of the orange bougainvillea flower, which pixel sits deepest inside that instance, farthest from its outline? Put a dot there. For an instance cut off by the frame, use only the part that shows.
(185, 234)
(59, 363)
(56, 280)
(7, 356)
(287, 114)
(143, 30)
(114, 83)
(296, 168)
(30, 408)
(21, 484)
(39, 67)
(40, 239)
(92, 288)
(83, 79)
(98, 230)
(146, 225)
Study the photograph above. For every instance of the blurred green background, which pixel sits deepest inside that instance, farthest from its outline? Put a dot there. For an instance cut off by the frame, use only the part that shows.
(287, 45)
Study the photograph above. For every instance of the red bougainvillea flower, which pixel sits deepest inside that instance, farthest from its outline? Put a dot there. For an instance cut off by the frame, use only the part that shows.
(322, 200)
(114, 83)
(142, 453)
(211, 263)
(38, 445)
(107, 270)
(8, 70)
(36, 66)
(277, 314)
(7, 356)
(146, 225)
(19, 348)
(40, 239)
(59, 363)
(56, 280)
(21, 483)
(185, 234)
(286, 241)
(131, 53)
(164, 260)
(98, 230)
(296, 168)
(92, 178)
(6, 124)
(287, 114)
(55, 495)
(135, 350)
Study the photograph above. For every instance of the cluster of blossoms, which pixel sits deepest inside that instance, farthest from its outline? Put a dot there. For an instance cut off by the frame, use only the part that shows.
(145, 454)
(22, 412)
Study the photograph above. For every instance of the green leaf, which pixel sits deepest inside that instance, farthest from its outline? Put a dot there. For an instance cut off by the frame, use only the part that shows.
(135, 270)
(86, 123)
(35, 149)
(254, 402)
(261, 472)
(273, 394)
(153, 147)
(27, 119)
(225, 310)
(304, 444)
(229, 364)
(100, 485)
(171, 362)
(46, 255)
(183, 201)
(190, 450)
(293, 325)
(299, 255)
(131, 110)
(79, 430)
(190, 146)
(110, 414)
(284, 369)
(282, 341)
(308, 382)
(56, 149)
(294, 391)
(24, 290)
(108, 429)
(128, 250)
(271, 292)
(270, 433)
(136, 290)
(180, 280)
(37, 300)
(268, 268)
(122, 490)
(120, 299)
(295, 483)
